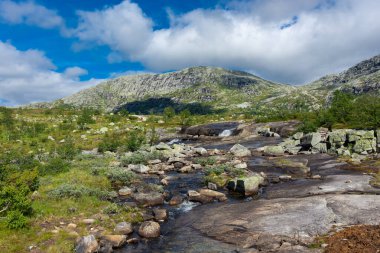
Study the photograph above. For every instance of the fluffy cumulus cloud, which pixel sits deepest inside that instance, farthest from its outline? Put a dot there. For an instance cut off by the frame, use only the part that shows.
(29, 76)
(292, 41)
(29, 13)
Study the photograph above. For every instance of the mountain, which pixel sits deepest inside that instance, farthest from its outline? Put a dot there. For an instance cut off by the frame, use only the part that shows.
(211, 88)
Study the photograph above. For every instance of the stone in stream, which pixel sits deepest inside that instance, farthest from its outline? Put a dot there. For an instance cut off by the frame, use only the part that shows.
(186, 169)
(149, 199)
(213, 194)
(116, 241)
(201, 151)
(160, 214)
(124, 228)
(212, 186)
(87, 244)
(150, 229)
(240, 151)
(176, 200)
(197, 197)
(246, 186)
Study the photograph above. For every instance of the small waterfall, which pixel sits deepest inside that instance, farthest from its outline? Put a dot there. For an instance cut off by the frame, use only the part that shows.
(174, 141)
(226, 133)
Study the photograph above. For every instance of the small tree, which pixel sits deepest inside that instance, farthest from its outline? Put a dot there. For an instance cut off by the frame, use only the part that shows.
(185, 117)
(85, 118)
(169, 113)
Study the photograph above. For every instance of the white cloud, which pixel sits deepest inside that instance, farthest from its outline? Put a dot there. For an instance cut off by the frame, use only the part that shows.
(29, 13)
(328, 36)
(28, 76)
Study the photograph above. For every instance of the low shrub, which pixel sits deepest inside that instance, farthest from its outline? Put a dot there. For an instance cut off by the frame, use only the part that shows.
(121, 177)
(55, 166)
(141, 157)
(16, 220)
(204, 161)
(77, 191)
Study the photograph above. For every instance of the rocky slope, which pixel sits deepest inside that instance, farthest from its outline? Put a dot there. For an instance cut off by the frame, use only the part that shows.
(221, 88)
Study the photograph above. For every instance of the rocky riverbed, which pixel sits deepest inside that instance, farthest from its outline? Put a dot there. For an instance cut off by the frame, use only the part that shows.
(221, 196)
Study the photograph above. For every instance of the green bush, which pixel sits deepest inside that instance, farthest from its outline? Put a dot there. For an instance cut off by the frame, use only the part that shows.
(204, 161)
(16, 220)
(77, 191)
(55, 166)
(85, 118)
(121, 177)
(141, 157)
(67, 150)
(135, 140)
(110, 142)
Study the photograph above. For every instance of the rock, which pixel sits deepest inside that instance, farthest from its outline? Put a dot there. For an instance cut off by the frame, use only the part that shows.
(273, 151)
(153, 162)
(88, 221)
(362, 145)
(133, 240)
(290, 166)
(241, 166)
(196, 166)
(240, 150)
(126, 191)
(124, 228)
(160, 214)
(163, 146)
(337, 138)
(311, 139)
(320, 148)
(213, 194)
(87, 244)
(246, 186)
(298, 136)
(71, 226)
(149, 199)
(115, 240)
(201, 151)
(149, 229)
(139, 168)
(212, 186)
(285, 177)
(185, 169)
(197, 197)
(35, 195)
(176, 200)
(164, 182)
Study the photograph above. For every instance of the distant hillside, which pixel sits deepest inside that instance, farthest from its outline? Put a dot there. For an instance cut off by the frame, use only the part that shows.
(219, 89)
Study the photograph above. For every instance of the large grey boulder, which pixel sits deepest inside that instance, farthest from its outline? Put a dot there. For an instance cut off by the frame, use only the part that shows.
(311, 139)
(365, 145)
(87, 244)
(274, 150)
(162, 146)
(337, 138)
(240, 150)
(246, 186)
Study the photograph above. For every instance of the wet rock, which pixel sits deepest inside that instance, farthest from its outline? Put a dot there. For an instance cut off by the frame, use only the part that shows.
(87, 244)
(246, 186)
(139, 168)
(115, 240)
(164, 181)
(160, 214)
(126, 191)
(240, 151)
(186, 169)
(149, 229)
(197, 197)
(196, 166)
(133, 240)
(149, 199)
(273, 151)
(124, 228)
(176, 200)
(88, 221)
(213, 194)
(294, 167)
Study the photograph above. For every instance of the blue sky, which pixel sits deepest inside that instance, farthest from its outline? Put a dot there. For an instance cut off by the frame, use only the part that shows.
(50, 49)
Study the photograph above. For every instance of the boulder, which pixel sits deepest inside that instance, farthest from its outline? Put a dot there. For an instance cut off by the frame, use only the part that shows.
(273, 150)
(246, 186)
(362, 145)
(176, 200)
(294, 167)
(139, 168)
(213, 194)
(197, 197)
(125, 191)
(149, 229)
(240, 150)
(163, 146)
(124, 228)
(241, 166)
(320, 148)
(160, 214)
(149, 199)
(297, 136)
(201, 151)
(212, 186)
(337, 138)
(87, 244)
(116, 241)
(311, 139)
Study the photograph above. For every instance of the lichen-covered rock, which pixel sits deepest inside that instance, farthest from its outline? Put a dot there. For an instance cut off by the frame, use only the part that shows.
(274, 150)
(124, 228)
(149, 199)
(363, 145)
(337, 138)
(150, 229)
(139, 168)
(240, 150)
(311, 139)
(116, 241)
(246, 186)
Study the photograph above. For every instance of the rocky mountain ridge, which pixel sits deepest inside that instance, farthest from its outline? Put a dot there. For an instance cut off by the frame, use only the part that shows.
(221, 88)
